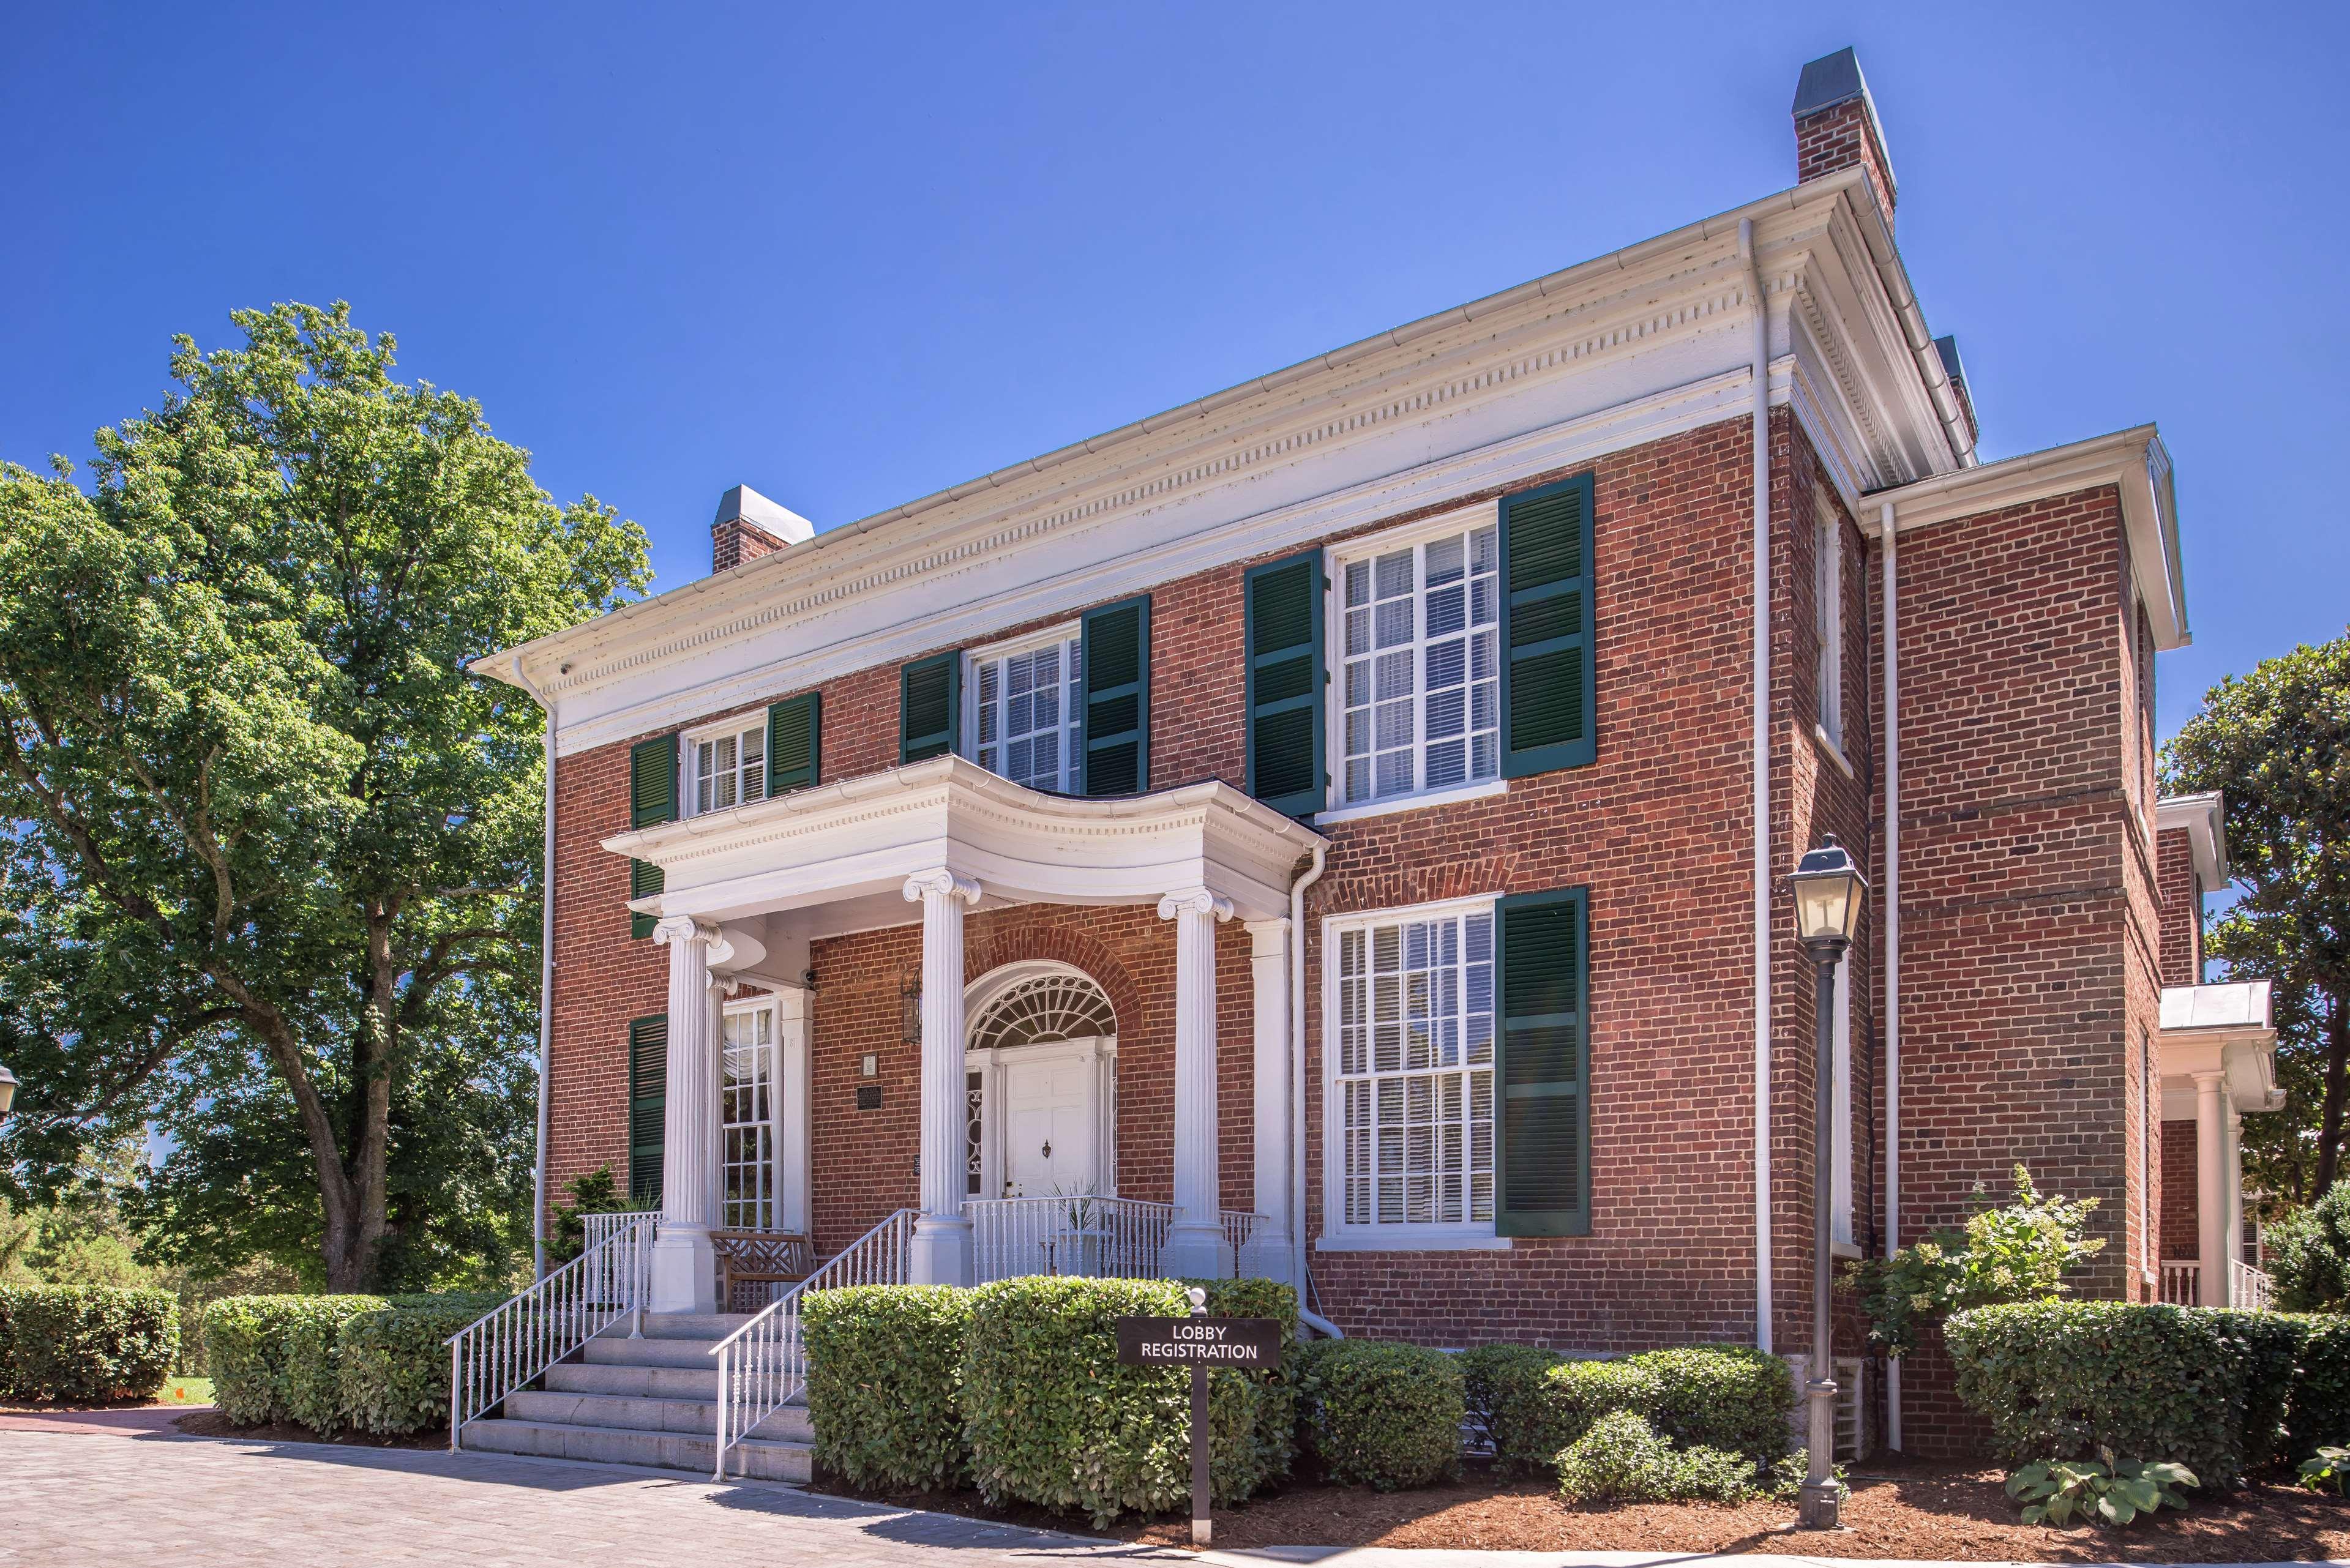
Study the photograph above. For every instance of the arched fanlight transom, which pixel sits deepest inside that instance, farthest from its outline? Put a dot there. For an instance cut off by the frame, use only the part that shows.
(1048, 1007)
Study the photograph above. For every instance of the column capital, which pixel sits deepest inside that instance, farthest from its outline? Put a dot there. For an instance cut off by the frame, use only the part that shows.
(1194, 902)
(2208, 1083)
(940, 882)
(674, 928)
(1267, 939)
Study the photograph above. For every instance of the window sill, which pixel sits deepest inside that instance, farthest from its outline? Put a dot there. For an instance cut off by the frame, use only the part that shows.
(1414, 1239)
(1835, 753)
(1842, 1249)
(1486, 790)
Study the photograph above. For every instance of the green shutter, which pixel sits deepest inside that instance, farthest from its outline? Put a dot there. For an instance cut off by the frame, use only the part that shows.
(648, 1103)
(1543, 1129)
(930, 706)
(652, 798)
(1281, 633)
(795, 743)
(1548, 685)
(1114, 756)
(645, 879)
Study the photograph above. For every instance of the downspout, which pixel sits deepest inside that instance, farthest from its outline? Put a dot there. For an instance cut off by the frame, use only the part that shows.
(1312, 1320)
(546, 982)
(1761, 792)
(1892, 951)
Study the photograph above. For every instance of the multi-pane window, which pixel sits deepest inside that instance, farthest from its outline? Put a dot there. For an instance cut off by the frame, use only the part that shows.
(728, 769)
(1419, 646)
(746, 1089)
(1024, 718)
(1414, 1073)
(1827, 613)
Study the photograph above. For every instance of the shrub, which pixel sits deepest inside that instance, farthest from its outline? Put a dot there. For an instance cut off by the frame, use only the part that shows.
(2326, 1470)
(2308, 1253)
(249, 1342)
(1722, 1396)
(1275, 1430)
(2319, 1414)
(885, 1382)
(2017, 1253)
(1053, 1419)
(1384, 1416)
(1503, 1384)
(2062, 1380)
(1623, 1458)
(393, 1376)
(2115, 1490)
(314, 1362)
(2270, 1346)
(86, 1343)
(1564, 1405)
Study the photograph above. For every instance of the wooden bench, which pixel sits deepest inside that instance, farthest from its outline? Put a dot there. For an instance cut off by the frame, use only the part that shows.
(759, 1259)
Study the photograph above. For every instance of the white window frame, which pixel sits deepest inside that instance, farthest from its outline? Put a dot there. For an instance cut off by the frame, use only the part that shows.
(1337, 807)
(1828, 617)
(1070, 634)
(774, 1121)
(688, 762)
(1338, 1235)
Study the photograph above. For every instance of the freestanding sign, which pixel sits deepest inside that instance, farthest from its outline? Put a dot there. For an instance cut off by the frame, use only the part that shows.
(1199, 1342)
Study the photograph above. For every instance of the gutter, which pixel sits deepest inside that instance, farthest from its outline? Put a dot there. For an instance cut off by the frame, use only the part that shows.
(1761, 790)
(546, 982)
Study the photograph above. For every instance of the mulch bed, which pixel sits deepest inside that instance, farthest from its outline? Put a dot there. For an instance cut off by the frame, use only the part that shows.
(212, 1424)
(1899, 1509)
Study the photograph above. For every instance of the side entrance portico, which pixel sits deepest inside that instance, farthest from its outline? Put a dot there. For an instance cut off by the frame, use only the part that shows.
(744, 891)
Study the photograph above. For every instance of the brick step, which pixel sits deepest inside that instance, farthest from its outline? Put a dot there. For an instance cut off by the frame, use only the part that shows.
(764, 1459)
(789, 1424)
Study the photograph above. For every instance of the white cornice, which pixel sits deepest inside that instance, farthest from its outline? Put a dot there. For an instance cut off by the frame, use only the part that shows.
(2134, 460)
(2204, 819)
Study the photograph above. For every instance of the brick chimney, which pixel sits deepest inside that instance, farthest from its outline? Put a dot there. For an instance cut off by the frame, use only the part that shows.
(749, 526)
(1835, 125)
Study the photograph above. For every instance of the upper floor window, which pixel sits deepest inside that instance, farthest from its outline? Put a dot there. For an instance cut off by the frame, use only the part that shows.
(1024, 706)
(725, 767)
(1828, 617)
(1419, 674)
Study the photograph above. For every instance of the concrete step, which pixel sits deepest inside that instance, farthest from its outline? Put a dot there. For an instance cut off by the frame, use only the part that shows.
(646, 1415)
(765, 1459)
(608, 1352)
(640, 1382)
(708, 1327)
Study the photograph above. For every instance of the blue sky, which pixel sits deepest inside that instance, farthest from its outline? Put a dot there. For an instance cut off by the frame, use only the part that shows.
(849, 255)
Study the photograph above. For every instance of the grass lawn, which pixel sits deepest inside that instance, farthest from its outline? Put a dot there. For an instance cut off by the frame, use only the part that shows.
(185, 1391)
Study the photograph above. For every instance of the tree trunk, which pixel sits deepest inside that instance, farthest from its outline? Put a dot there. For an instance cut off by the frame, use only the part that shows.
(2338, 1089)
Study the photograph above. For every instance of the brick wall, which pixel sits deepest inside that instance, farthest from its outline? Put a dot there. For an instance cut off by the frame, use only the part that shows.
(2182, 910)
(2181, 1226)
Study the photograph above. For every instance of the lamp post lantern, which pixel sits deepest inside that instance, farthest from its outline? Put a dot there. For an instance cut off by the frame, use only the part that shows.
(1829, 890)
(7, 1090)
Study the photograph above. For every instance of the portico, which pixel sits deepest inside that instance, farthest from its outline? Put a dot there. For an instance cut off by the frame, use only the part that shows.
(2218, 1050)
(745, 890)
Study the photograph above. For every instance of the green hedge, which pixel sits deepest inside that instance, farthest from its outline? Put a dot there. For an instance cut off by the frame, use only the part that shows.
(1381, 1415)
(81, 1343)
(2059, 1380)
(1728, 1397)
(290, 1358)
(2319, 1414)
(1504, 1386)
(1053, 1419)
(885, 1382)
(1570, 1399)
(394, 1372)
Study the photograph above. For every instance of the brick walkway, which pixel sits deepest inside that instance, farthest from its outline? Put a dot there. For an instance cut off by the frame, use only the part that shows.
(76, 1497)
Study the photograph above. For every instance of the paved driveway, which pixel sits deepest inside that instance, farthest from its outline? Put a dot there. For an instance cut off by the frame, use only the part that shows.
(76, 1497)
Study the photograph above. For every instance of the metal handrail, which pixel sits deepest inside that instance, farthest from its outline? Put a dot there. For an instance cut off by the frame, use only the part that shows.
(762, 1367)
(525, 1334)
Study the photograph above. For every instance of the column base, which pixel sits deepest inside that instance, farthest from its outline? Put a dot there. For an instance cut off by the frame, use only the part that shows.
(684, 1270)
(940, 1253)
(1269, 1254)
(1822, 1505)
(1195, 1251)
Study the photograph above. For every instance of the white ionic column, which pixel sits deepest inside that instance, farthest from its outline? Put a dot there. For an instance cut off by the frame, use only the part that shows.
(1195, 1241)
(684, 1269)
(795, 1203)
(2211, 1189)
(2233, 1169)
(940, 1253)
(1269, 967)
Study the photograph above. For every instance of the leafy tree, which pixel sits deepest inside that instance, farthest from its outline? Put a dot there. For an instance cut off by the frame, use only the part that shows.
(2308, 1255)
(270, 855)
(2277, 742)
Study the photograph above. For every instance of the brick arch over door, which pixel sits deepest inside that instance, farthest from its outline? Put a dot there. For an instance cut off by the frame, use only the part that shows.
(1003, 938)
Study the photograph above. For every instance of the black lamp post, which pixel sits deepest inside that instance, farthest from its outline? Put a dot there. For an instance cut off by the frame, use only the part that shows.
(1829, 891)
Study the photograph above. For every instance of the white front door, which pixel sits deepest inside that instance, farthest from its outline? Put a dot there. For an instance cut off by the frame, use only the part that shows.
(1052, 1122)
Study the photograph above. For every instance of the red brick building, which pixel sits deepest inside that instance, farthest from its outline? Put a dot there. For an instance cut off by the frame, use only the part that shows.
(1337, 829)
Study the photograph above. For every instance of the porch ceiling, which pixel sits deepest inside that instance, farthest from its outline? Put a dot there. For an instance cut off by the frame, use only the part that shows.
(834, 859)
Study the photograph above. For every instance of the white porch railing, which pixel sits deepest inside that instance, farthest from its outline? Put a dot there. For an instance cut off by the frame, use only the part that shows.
(521, 1337)
(2251, 1290)
(1092, 1238)
(602, 1227)
(762, 1367)
(2182, 1281)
